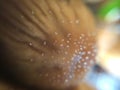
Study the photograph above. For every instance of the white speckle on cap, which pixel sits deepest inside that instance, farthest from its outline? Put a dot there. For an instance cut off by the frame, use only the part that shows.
(69, 34)
(86, 58)
(33, 12)
(71, 21)
(61, 45)
(64, 73)
(42, 54)
(63, 58)
(31, 60)
(63, 40)
(50, 11)
(68, 62)
(83, 53)
(66, 52)
(80, 37)
(46, 74)
(70, 76)
(77, 21)
(85, 63)
(81, 48)
(63, 21)
(44, 43)
(22, 16)
(56, 33)
(68, 41)
(67, 46)
(89, 52)
(30, 44)
(66, 80)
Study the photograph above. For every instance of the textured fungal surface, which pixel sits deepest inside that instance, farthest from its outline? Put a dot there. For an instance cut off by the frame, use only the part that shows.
(47, 43)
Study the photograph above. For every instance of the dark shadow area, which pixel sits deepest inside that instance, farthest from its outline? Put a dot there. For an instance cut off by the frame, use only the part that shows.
(5, 74)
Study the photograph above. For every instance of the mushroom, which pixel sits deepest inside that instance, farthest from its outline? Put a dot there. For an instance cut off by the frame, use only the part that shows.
(48, 44)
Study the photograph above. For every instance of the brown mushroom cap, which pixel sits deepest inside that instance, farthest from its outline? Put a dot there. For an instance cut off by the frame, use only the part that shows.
(47, 43)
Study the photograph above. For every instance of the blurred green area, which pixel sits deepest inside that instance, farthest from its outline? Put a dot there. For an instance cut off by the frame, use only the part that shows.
(105, 10)
(108, 7)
